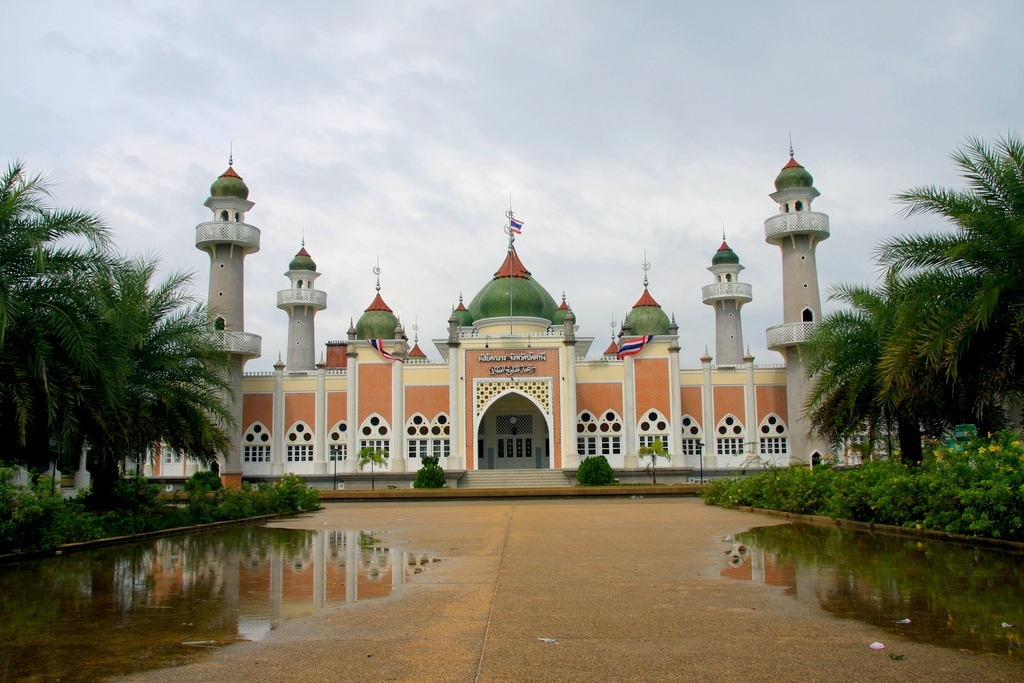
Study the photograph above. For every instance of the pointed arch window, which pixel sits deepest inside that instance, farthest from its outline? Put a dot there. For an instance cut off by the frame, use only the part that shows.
(807, 315)
(598, 435)
(729, 437)
(691, 442)
(337, 444)
(256, 443)
(653, 426)
(773, 438)
(375, 432)
(300, 443)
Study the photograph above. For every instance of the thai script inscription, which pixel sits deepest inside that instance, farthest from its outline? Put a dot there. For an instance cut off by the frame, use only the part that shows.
(513, 363)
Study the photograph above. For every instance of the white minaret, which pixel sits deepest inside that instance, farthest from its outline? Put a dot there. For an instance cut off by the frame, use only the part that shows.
(727, 295)
(228, 239)
(796, 230)
(301, 301)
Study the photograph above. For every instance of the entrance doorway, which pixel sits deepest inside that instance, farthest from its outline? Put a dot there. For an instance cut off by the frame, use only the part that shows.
(513, 435)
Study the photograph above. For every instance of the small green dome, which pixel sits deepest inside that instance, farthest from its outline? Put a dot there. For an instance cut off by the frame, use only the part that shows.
(648, 320)
(647, 316)
(724, 255)
(377, 322)
(793, 175)
(461, 314)
(229, 184)
(559, 317)
(302, 261)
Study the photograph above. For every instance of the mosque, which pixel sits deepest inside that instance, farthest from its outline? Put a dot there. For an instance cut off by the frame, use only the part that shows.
(516, 388)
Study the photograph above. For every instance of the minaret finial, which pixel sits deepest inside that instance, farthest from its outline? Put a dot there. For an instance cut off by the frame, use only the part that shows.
(613, 323)
(303, 237)
(790, 144)
(460, 297)
(416, 330)
(723, 231)
(231, 153)
(646, 266)
(563, 295)
(376, 271)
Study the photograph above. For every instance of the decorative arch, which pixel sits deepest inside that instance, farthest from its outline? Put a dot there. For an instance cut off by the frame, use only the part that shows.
(773, 438)
(299, 443)
(488, 391)
(375, 432)
(807, 315)
(337, 441)
(653, 426)
(729, 436)
(256, 443)
(691, 442)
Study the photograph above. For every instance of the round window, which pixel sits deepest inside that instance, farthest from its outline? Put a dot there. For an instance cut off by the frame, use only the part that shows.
(343, 427)
(335, 436)
(694, 430)
(424, 429)
(591, 427)
(382, 430)
(411, 431)
(257, 428)
(661, 426)
(367, 431)
(652, 416)
(264, 437)
(737, 429)
(616, 427)
(418, 420)
(722, 430)
(436, 431)
(375, 421)
(645, 426)
(441, 419)
(729, 421)
(299, 428)
(780, 429)
(772, 420)
(687, 421)
(307, 437)
(292, 437)
(249, 437)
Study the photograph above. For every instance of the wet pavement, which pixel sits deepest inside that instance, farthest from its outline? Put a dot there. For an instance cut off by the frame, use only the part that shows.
(551, 590)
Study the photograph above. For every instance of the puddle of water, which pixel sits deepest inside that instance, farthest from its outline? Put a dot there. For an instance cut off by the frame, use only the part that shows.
(118, 610)
(954, 595)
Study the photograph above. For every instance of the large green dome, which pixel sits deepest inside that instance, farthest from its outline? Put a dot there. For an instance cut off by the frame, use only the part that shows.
(528, 297)
(377, 322)
(229, 184)
(724, 255)
(302, 261)
(793, 175)
(647, 316)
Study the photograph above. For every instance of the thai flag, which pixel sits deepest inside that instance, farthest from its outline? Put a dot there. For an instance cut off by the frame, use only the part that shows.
(515, 225)
(379, 345)
(633, 346)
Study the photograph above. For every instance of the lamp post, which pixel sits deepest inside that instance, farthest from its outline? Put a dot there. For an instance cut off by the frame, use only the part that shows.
(700, 456)
(334, 457)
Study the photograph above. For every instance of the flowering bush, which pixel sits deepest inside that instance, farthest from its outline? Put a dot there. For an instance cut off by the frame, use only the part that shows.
(976, 489)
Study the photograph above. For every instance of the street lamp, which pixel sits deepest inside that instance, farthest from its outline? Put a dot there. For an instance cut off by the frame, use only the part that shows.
(700, 456)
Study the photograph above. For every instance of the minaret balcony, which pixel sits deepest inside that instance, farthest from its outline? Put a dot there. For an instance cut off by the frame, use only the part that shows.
(243, 235)
(725, 291)
(795, 223)
(313, 298)
(789, 334)
(240, 343)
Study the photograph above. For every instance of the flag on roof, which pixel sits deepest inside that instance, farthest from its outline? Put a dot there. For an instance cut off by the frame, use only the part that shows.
(515, 225)
(379, 345)
(633, 346)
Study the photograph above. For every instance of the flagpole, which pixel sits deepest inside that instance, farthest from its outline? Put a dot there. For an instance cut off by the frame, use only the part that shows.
(511, 242)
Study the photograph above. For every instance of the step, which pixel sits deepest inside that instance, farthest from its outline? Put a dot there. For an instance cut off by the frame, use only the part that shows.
(512, 479)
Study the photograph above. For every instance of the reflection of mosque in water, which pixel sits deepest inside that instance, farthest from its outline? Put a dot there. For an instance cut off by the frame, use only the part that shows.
(299, 574)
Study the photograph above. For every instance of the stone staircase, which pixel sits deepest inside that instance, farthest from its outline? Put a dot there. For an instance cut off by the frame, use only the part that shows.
(512, 479)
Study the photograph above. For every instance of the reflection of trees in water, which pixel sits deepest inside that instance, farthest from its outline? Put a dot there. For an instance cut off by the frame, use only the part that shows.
(955, 595)
(112, 611)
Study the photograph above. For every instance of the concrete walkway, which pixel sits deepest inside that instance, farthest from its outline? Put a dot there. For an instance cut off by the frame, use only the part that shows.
(630, 589)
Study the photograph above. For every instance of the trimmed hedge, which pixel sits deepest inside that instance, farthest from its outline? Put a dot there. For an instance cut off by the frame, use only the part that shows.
(39, 518)
(595, 471)
(976, 490)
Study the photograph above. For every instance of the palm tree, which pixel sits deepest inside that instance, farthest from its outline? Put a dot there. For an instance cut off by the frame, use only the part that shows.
(967, 320)
(48, 354)
(844, 354)
(373, 457)
(164, 374)
(654, 451)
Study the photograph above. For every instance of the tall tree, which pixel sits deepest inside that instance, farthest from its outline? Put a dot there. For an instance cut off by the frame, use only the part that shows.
(967, 286)
(48, 354)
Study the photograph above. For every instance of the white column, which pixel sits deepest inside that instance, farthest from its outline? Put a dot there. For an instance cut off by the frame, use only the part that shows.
(82, 476)
(571, 458)
(277, 429)
(319, 571)
(397, 417)
(674, 405)
(630, 461)
(457, 459)
(320, 427)
(352, 408)
(708, 406)
(750, 404)
(351, 565)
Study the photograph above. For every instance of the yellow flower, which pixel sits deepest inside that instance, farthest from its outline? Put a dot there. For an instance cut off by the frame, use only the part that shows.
(918, 526)
(1016, 443)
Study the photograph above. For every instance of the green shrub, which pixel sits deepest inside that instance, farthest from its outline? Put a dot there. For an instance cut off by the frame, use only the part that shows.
(595, 471)
(290, 494)
(976, 490)
(204, 481)
(430, 475)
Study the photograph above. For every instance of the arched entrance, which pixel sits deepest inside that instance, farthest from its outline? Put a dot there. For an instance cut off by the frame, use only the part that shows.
(513, 435)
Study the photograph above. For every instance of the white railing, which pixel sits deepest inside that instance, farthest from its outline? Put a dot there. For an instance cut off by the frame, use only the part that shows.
(259, 373)
(789, 334)
(727, 290)
(302, 297)
(595, 361)
(227, 232)
(337, 371)
(797, 223)
(242, 343)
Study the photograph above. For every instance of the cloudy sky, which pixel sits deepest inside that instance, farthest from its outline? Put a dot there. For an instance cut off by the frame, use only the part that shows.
(401, 128)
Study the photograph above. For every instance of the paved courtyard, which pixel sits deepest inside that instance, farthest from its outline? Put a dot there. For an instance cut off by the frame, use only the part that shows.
(629, 588)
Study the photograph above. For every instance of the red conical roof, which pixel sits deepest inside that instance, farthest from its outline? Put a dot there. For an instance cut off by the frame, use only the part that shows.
(461, 306)
(563, 306)
(303, 252)
(230, 173)
(613, 349)
(378, 305)
(724, 247)
(417, 352)
(512, 267)
(791, 164)
(646, 300)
